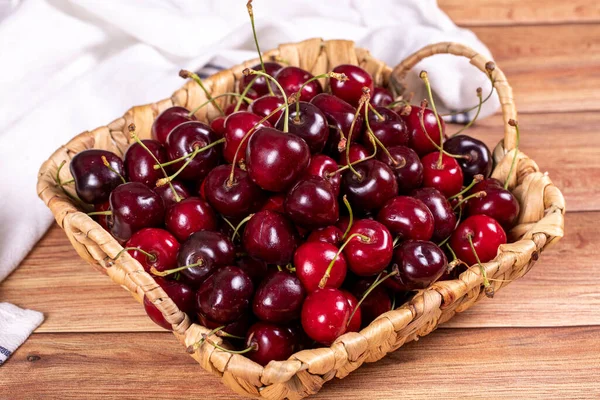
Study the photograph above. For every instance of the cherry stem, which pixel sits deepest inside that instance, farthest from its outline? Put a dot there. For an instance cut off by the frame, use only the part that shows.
(476, 179)
(451, 251)
(395, 242)
(342, 143)
(377, 282)
(249, 71)
(114, 171)
(262, 64)
(189, 157)
(489, 291)
(351, 216)
(244, 93)
(460, 212)
(395, 103)
(325, 277)
(188, 74)
(476, 195)
(230, 224)
(372, 135)
(279, 268)
(290, 267)
(489, 75)
(205, 336)
(437, 146)
(364, 98)
(174, 270)
(61, 184)
(345, 167)
(197, 150)
(335, 75)
(393, 303)
(99, 213)
(423, 75)
(468, 125)
(151, 257)
(514, 124)
(228, 94)
(242, 222)
(379, 116)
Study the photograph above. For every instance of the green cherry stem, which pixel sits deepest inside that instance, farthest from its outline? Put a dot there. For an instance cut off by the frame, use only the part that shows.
(249, 71)
(242, 222)
(262, 64)
(228, 222)
(468, 125)
(514, 124)
(197, 150)
(114, 171)
(325, 277)
(333, 75)
(174, 270)
(476, 195)
(363, 99)
(151, 257)
(188, 74)
(372, 135)
(489, 290)
(423, 75)
(351, 216)
(243, 95)
(492, 82)
(421, 115)
(99, 213)
(228, 94)
(205, 336)
(476, 179)
(189, 157)
(377, 282)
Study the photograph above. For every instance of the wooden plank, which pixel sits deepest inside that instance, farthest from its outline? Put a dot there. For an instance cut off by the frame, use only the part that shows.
(470, 363)
(516, 12)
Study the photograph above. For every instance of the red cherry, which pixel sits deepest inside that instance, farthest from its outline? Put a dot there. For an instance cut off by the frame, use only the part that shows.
(275, 203)
(292, 78)
(167, 120)
(312, 203)
(271, 237)
(443, 215)
(160, 244)
(355, 322)
(351, 90)
(189, 216)
(265, 105)
(370, 256)
(330, 234)
(166, 193)
(391, 130)
(269, 343)
(478, 159)
(279, 298)
(230, 109)
(94, 181)
(357, 152)
(373, 188)
(325, 315)
(239, 327)
(218, 126)
(254, 268)
(498, 203)
(446, 177)
(339, 114)
(236, 127)
(325, 167)
(376, 303)
(407, 218)
(312, 259)
(381, 97)
(419, 263)
(208, 251)
(182, 296)
(408, 168)
(486, 234)
(308, 122)
(259, 87)
(139, 163)
(419, 140)
(186, 138)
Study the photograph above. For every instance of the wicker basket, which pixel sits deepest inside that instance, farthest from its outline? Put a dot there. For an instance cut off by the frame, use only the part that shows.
(540, 224)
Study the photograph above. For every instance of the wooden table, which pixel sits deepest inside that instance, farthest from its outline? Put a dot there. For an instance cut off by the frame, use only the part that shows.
(539, 337)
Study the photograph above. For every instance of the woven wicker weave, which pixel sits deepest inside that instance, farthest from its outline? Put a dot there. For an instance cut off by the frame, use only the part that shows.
(540, 224)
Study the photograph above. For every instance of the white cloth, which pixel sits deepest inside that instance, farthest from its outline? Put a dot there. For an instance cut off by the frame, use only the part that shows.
(16, 324)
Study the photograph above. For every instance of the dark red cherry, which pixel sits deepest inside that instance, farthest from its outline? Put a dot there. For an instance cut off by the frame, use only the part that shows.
(351, 90)
(275, 203)
(259, 87)
(446, 177)
(105, 221)
(239, 327)
(329, 234)
(160, 244)
(357, 152)
(420, 141)
(93, 180)
(484, 185)
(186, 138)
(210, 250)
(312, 203)
(376, 303)
(391, 130)
(444, 219)
(279, 298)
(292, 78)
(139, 164)
(233, 199)
(255, 269)
(325, 167)
(182, 296)
(275, 160)
(265, 105)
(486, 234)
(370, 256)
(355, 322)
(188, 216)
(325, 315)
(230, 109)
(310, 124)
(498, 203)
(167, 120)
(270, 343)
(479, 157)
(373, 188)
(225, 295)
(408, 168)
(381, 97)
(271, 237)
(312, 259)
(237, 125)
(419, 263)
(407, 218)
(339, 114)
(218, 125)
(134, 206)
(166, 193)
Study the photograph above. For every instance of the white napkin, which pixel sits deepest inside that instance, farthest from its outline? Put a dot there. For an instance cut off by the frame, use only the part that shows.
(16, 324)
(69, 66)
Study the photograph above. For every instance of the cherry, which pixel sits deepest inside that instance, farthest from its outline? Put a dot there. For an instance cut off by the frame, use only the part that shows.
(312, 203)
(275, 160)
(265, 105)
(446, 177)
(234, 198)
(206, 250)
(339, 114)
(325, 315)
(218, 125)
(356, 153)
(368, 256)
(225, 295)
(260, 86)
(498, 203)
(255, 269)
(269, 342)
(167, 195)
(308, 122)
(485, 233)
(105, 221)
(419, 140)
(355, 322)
(271, 237)
(93, 180)
(183, 140)
(167, 120)
(377, 302)
(279, 298)
(275, 203)
(139, 164)
(381, 97)
(479, 157)
(182, 296)
(292, 78)
(408, 168)
(444, 219)
(188, 216)
(407, 218)
(351, 89)
(325, 167)
(134, 206)
(239, 327)
(374, 185)
(419, 263)
(230, 109)
(484, 185)
(391, 130)
(312, 259)
(329, 234)
(159, 249)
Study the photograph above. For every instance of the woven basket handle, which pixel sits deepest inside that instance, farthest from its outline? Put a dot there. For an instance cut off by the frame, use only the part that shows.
(500, 84)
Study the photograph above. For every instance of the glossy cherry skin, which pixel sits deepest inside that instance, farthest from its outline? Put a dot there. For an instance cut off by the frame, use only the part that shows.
(325, 167)
(271, 237)
(312, 259)
(487, 235)
(159, 243)
(166, 193)
(499, 204)
(279, 298)
(265, 105)
(225, 295)
(325, 315)
(275, 160)
(372, 189)
(391, 130)
(233, 199)
(381, 97)
(211, 249)
(339, 114)
(310, 124)
(407, 218)
(275, 203)
(271, 343)
(355, 322)
(255, 269)
(167, 120)
(407, 168)
(375, 304)
(218, 125)
(419, 141)
(351, 90)
(292, 78)
(370, 257)
(444, 219)
(479, 161)
(93, 180)
(134, 206)
(183, 140)
(329, 234)
(259, 87)
(182, 296)
(419, 263)
(139, 164)
(237, 125)
(357, 152)
(312, 203)
(239, 327)
(189, 216)
(447, 177)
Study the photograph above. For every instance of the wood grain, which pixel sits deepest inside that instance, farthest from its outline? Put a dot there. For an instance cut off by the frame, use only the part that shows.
(470, 363)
